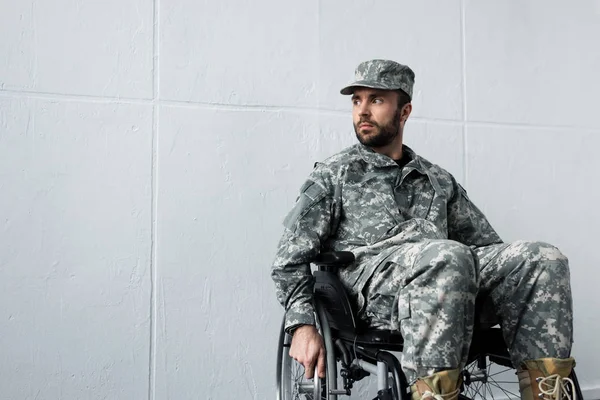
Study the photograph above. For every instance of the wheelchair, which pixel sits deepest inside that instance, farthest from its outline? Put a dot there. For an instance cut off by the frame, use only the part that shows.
(360, 352)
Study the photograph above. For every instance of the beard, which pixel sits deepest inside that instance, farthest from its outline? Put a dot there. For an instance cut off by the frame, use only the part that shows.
(382, 135)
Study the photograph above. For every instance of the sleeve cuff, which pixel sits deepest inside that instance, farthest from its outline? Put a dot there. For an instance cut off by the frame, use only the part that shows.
(297, 315)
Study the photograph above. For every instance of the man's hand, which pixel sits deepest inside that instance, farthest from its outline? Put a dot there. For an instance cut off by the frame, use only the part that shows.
(307, 348)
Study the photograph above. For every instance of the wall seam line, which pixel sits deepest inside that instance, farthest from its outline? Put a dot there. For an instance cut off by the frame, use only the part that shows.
(154, 202)
(262, 108)
(464, 92)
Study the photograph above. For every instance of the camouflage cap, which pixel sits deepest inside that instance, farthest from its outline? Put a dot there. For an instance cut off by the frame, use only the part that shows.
(382, 74)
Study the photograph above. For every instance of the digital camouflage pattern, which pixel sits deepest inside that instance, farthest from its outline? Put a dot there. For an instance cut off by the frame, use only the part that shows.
(349, 203)
(428, 291)
(529, 285)
(423, 251)
(382, 74)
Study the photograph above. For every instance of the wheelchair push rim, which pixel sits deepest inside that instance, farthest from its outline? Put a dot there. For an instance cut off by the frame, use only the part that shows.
(291, 382)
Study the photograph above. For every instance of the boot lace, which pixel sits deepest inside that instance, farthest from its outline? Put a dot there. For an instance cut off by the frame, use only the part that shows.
(430, 395)
(555, 387)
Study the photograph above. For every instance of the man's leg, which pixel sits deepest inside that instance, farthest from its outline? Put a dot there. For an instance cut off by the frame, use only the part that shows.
(427, 290)
(529, 284)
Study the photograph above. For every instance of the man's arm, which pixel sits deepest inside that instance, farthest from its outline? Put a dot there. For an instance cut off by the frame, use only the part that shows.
(307, 226)
(466, 223)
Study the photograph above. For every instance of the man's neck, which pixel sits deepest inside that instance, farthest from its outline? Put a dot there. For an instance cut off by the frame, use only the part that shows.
(392, 150)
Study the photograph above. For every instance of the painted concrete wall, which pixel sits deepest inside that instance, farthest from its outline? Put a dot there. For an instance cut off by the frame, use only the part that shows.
(149, 151)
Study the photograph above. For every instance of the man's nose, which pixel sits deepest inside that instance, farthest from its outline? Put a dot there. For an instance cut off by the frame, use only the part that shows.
(363, 109)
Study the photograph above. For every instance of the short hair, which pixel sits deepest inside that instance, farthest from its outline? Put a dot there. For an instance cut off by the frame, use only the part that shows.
(403, 98)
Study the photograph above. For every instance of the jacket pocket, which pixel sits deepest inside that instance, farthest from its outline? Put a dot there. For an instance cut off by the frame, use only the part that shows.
(401, 310)
(310, 194)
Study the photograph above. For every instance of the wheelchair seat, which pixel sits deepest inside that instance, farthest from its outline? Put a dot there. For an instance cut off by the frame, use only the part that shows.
(341, 310)
(374, 338)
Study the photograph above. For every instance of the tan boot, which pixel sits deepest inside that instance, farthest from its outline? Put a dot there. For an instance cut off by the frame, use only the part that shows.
(546, 378)
(443, 385)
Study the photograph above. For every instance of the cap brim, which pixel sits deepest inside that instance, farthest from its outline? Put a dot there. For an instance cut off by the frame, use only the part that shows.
(368, 84)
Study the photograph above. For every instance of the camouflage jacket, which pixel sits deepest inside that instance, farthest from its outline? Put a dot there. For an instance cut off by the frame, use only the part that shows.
(361, 201)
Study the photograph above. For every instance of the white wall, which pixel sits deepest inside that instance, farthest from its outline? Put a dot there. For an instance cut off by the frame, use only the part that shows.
(149, 151)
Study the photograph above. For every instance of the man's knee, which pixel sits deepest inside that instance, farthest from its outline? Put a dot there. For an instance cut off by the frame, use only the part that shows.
(450, 258)
(536, 252)
(537, 263)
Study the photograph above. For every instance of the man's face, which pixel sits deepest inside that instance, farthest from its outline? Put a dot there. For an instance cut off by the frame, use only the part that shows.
(376, 116)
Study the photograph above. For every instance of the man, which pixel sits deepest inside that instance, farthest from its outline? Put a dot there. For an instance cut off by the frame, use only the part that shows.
(423, 252)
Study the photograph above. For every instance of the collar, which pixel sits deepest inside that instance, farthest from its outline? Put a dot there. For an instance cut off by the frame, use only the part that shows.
(379, 160)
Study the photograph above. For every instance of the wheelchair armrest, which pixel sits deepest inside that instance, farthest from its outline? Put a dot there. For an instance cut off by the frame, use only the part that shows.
(333, 259)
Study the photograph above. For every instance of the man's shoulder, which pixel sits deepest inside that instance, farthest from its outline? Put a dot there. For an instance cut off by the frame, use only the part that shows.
(431, 166)
(442, 175)
(341, 160)
(329, 171)
(343, 157)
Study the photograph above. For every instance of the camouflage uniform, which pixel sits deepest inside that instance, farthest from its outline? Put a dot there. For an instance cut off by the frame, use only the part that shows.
(423, 252)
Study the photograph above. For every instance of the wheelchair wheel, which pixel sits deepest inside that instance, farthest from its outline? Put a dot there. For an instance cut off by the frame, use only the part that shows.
(291, 382)
(490, 377)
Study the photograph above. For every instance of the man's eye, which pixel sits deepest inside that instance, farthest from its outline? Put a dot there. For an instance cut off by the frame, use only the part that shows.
(356, 102)
(378, 101)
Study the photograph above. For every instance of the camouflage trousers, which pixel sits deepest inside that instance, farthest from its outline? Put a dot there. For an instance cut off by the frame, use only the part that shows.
(427, 290)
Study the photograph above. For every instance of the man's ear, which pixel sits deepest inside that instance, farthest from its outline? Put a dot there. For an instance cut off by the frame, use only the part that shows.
(405, 112)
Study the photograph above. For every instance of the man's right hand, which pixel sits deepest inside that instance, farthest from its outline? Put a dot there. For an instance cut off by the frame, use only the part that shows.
(307, 348)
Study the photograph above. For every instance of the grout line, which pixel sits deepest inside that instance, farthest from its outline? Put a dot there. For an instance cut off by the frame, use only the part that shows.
(436, 120)
(517, 125)
(317, 110)
(269, 108)
(318, 69)
(463, 32)
(190, 104)
(154, 201)
(72, 97)
(240, 107)
(34, 31)
(464, 93)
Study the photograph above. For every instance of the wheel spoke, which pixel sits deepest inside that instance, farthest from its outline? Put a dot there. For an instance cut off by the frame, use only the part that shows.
(472, 367)
(484, 390)
(500, 372)
(492, 394)
(495, 383)
(474, 392)
(488, 388)
(466, 391)
(506, 392)
(477, 390)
